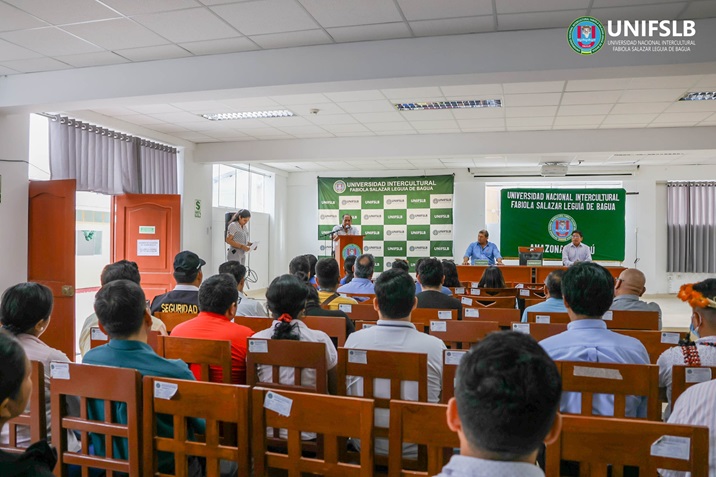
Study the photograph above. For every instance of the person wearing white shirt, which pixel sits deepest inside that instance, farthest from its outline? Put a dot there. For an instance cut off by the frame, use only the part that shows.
(246, 306)
(576, 251)
(346, 227)
(394, 301)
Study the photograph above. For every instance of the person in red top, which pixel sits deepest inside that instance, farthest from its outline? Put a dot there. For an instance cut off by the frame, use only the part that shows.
(217, 306)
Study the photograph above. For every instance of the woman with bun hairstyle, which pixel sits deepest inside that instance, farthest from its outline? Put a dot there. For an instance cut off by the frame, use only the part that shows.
(237, 236)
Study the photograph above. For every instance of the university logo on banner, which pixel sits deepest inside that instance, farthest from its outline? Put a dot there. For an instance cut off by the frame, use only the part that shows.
(418, 216)
(328, 217)
(586, 35)
(419, 249)
(372, 232)
(395, 232)
(328, 204)
(441, 201)
(373, 247)
(372, 217)
(371, 202)
(395, 202)
(441, 232)
(561, 227)
(350, 202)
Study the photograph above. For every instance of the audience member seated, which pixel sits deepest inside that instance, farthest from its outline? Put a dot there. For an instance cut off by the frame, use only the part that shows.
(217, 305)
(185, 296)
(418, 286)
(363, 270)
(121, 270)
(300, 267)
(286, 300)
(25, 312)
(312, 260)
(313, 308)
(588, 291)
(121, 308)
(431, 277)
(246, 306)
(505, 407)
(401, 264)
(15, 389)
(702, 298)
(627, 290)
(394, 301)
(492, 278)
(327, 277)
(553, 293)
(451, 278)
(348, 264)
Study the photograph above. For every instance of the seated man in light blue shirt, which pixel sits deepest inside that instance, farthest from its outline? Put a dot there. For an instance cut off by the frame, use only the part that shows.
(363, 270)
(588, 290)
(576, 251)
(482, 250)
(553, 292)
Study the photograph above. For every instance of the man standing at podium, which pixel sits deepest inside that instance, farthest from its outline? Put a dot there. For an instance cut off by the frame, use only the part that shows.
(345, 228)
(482, 250)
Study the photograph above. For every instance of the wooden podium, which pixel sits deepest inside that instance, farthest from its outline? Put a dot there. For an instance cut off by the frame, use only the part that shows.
(347, 245)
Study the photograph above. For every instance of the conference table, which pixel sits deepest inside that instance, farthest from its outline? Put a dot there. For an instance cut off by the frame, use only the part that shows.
(519, 273)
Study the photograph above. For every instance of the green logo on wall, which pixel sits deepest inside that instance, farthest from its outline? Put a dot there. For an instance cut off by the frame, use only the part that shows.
(561, 227)
(339, 187)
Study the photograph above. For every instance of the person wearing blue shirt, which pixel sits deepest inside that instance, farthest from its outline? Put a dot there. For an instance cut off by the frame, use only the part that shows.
(482, 250)
(588, 291)
(553, 292)
(361, 283)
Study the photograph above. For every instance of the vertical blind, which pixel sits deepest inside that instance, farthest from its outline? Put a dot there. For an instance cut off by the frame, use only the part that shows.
(108, 162)
(691, 227)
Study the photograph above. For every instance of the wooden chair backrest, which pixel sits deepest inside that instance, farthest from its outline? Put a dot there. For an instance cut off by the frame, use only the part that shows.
(683, 377)
(596, 443)
(487, 301)
(36, 419)
(421, 317)
(532, 296)
(333, 326)
(98, 338)
(423, 424)
(491, 292)
(534, 301)
(540, 331)
(547, 317)
(212, 357)
(655, 342)
(451, 359)
(632, 320)
(503, 316)
(462, 334)
(110, 386)
(361, 311)
(364, 324)
(171, 320)
(334, 418)
(536, 287)
(620, 380)
(220, 405)
(254, 323)
(360, 297)
(299, 355)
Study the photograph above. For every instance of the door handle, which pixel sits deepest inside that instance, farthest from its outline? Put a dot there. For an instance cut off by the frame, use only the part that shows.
(68, 290)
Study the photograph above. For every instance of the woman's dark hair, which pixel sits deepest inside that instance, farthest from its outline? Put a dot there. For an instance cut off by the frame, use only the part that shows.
(348, 267)
(286, 295)
(312, 261)
(492, 278)
(401, 264)
(450, 270)
(241, 214)
(13, 369)
(24, 305)
(300, 267)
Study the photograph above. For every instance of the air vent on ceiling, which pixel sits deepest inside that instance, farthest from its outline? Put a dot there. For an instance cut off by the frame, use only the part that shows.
(554, 169)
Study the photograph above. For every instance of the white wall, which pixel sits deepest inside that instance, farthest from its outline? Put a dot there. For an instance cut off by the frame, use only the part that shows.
(195, 181)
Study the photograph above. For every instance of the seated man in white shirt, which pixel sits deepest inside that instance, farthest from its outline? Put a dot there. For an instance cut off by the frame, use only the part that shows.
(246, 306)
(505, 407)
(394, 301)
(576, 251)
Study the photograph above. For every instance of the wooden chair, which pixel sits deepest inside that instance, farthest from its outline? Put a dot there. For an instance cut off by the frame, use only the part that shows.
(171, 320)
(363, 312)
(540, 331)
(364, 324)
(333, 326)
(211, 358)
(547, 317)
(102, 388)
(365, 366)
(255, 323)
(361, 297)
(655, 342)
(619, 380)
(98, 338)
(492, 292)
(331, 417)
(632, 320)
(300, 355)
(423, 424)
(487, 302)
(451, 359)
(597, 443)
(36, 419)
(534, 301)
(462, 334)
(421, 317)
(219, 404)
(503, 316)
(683, 377)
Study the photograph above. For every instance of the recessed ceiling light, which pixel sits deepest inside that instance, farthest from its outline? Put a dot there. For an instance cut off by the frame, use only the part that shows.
(472, 103)
(279, 113)
(700, 96)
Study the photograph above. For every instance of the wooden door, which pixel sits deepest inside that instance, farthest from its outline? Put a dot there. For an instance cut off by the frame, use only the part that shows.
(146, 229)
(51, 255)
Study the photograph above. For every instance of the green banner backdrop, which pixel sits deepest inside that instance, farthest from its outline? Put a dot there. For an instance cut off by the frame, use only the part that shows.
(400, 217)
(547, 217)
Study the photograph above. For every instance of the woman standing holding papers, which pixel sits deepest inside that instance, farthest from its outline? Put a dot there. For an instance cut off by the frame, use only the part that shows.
(237, 236)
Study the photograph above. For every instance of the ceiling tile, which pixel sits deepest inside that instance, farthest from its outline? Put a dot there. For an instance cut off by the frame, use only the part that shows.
(60, 12)
(163, 52)
(428, 115)
(302, 130)
(700, 9)
(9, 52)
(49, 41)
(431, 10)
(591, 97)
(539, 87)
(668, 11)
(689, 106)
(629, 118)
(12, 18)
(606, 125)
(472, 91)
(416, 94)
(411, 132)
(140, 119)
(423, 125)
(520, 6)
(7, 71)
(481, 123)
(625, 3)
(584, 110)
(167, 128)
(392, 126)
(379, 106)
(367, 95)
(154, 108)
(194, 24)
(324, 109)
(351, 134)
(267, 16)
(291, 39)
(672, 125)
(663, 82)
(180, 117)
(202, 107)
(682, 117)
(289, 99)
(597, 85)
(134, 7)
(526, 122)
(543, 99)
(478, 113)
(639, 108)
(650, 95)
(247, 125)
(532, 21)
(114, 111)
(216, 47)
(530, 111)
(92, 59)
(379, 117)
(284, 123)
(117, 34)
(330, 13)
(378, 31)
(344, 128)
(251, 104)
(332, 119)
(34, 65)
(264, 132)
(579, 120)
(453, 26)
(440, 131)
